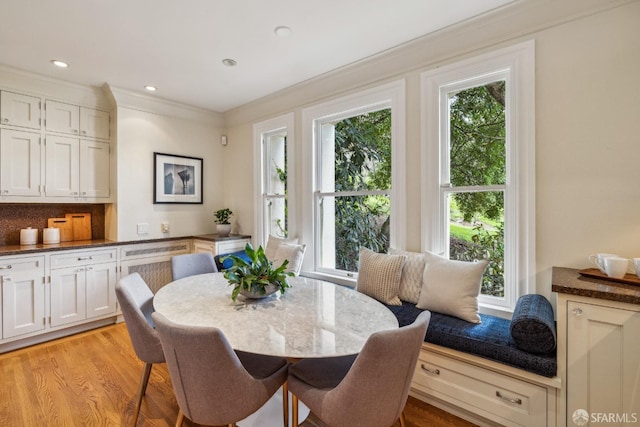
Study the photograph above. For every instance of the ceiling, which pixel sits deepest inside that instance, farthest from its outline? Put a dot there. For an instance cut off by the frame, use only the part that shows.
(178, 45)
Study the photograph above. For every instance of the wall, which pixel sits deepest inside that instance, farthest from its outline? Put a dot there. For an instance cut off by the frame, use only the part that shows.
(146, 125)
(587, 108)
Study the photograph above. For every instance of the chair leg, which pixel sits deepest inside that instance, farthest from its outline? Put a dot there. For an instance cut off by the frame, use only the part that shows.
(285, 404)
(142, 390)
(402, 420)
(294, 401)
(180, 418)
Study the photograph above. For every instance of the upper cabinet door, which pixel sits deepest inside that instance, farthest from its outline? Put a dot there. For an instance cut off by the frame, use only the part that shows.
(20, 155)
(94, 123)
(61, 117)
(19, 110)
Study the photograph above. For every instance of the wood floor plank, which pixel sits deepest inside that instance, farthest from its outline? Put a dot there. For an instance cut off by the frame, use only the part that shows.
(90, 379)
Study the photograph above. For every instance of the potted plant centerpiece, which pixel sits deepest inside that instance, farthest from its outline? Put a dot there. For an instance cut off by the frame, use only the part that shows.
(223, 226)
(256, 277)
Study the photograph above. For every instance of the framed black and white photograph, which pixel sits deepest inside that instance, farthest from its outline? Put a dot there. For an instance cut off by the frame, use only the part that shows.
(177, 179)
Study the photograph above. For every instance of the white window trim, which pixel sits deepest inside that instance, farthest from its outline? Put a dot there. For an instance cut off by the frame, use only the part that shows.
(286, 123)
(391, 94)
(519, 59)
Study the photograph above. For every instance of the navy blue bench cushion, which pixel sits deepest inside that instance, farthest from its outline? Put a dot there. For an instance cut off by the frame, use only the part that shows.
(490, 339)
(223, 265)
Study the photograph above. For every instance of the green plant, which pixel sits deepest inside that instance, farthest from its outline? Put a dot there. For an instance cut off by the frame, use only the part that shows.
(256, 274)
(222, 216)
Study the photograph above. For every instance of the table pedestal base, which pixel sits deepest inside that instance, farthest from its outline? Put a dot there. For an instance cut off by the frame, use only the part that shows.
(270, 415)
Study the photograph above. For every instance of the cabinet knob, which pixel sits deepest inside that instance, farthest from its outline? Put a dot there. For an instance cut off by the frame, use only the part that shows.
(6, 267)
(74, 130)
(5, 120)
(84, 132)
(577, 311)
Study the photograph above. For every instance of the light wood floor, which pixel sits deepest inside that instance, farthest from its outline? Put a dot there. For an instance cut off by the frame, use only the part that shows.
(90, 379)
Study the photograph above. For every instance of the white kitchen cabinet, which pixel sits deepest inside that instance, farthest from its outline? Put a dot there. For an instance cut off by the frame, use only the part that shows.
(95, 167)
(62, 156)
(82, 285)
(94, 123)
(602, 356)
(77, 168)
(23, 295)
(76, 120)
(62, 117)
(19, 110)
(20, 163)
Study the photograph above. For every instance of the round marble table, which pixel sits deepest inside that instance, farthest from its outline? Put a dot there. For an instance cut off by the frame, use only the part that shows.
(311, 319)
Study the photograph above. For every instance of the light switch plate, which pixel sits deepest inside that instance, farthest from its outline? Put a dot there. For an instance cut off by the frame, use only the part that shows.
(143, 228)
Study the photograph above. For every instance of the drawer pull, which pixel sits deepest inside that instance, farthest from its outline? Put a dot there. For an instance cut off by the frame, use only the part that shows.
(429, 370)
(577, 311)
(6, 267)
(515, 400)
(84, 258)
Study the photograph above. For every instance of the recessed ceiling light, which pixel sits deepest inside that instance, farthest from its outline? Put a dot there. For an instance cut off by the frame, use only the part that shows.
(282, 31)
(151, 88)
(59, 63)
(229, 62)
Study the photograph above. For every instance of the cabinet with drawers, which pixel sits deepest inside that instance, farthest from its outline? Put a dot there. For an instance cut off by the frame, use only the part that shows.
(219, 245)
(484, 391)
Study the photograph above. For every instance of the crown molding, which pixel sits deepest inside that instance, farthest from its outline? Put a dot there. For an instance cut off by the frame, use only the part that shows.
(60, 90)
(124, 98)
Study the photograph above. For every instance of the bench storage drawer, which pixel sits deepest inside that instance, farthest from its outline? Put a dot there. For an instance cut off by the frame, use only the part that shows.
(492, 395)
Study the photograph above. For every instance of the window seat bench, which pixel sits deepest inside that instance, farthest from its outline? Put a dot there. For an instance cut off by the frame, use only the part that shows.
(477, 372)
(490, 339)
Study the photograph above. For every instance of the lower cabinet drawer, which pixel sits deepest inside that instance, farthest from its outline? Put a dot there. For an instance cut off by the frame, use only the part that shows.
(231, 246)
(497, 397)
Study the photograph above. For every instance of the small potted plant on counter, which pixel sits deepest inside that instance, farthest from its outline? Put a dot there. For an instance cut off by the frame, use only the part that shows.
(223, 226)
(255, 277)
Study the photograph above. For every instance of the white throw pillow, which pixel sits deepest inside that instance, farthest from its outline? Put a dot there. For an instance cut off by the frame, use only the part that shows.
(379, 276)
(291, 252)
(272, 245)
(452, 287)
(411, 281)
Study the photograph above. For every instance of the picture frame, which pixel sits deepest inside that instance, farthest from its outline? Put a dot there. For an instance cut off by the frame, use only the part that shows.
(177, 179)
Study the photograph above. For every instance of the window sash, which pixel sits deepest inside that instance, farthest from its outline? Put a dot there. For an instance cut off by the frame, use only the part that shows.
(515, 65)
(391, 95)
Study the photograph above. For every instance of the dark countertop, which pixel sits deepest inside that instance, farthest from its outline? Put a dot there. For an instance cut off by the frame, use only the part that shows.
(76, 244)
(569, 281)
(95, 244)
(219, 238)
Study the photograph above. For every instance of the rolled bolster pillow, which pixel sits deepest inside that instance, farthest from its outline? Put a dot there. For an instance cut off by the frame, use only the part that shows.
(532, 326)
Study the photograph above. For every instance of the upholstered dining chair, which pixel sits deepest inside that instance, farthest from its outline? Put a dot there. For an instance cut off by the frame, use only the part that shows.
(369, 389)
(191, 264)
(213, 386)
(136, 302)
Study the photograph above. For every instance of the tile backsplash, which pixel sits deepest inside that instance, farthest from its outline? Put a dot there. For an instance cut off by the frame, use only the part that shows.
(15, 216)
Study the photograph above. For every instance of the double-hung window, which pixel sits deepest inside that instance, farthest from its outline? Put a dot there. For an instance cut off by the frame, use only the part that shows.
(355, 188)
(478, 169)
(273, 150)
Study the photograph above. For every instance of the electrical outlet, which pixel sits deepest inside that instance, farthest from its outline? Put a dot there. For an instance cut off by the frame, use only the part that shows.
(164, 227)
(143, 228)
